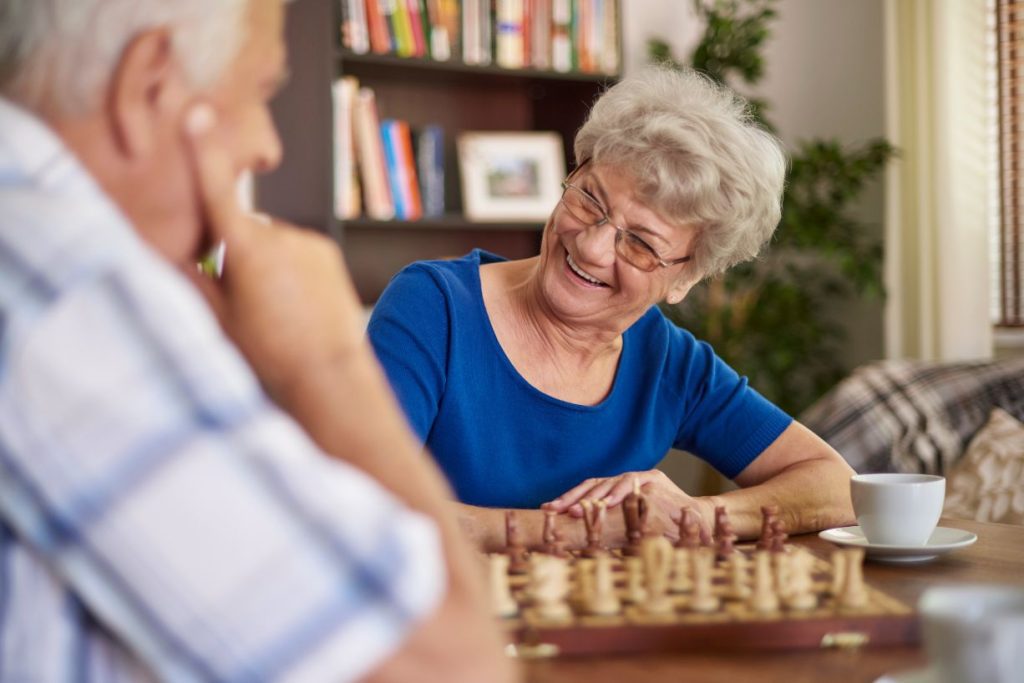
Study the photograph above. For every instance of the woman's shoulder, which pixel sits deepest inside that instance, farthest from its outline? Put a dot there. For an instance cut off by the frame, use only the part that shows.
(462, 272)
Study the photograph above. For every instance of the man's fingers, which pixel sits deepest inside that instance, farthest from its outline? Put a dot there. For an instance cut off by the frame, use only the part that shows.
(215, 176)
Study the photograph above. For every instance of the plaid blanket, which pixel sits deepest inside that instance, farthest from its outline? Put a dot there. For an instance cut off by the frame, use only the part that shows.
(914, 416)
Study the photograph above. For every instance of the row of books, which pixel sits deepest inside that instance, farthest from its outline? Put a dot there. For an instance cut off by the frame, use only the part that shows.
(383, 168)
(562, 35)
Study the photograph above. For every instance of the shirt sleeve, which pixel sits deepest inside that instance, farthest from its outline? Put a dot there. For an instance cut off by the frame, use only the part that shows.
(725, 421)
(410, 332)
(189, 515)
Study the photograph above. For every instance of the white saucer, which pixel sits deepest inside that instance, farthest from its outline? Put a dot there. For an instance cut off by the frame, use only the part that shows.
(925, 675)
(942, 541)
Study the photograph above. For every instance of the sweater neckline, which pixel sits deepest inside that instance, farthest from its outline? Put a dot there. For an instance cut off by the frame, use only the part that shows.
(480, 257)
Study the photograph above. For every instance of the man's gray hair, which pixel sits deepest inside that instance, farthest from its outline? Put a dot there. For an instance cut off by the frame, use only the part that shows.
(696, 156)
(61, 53)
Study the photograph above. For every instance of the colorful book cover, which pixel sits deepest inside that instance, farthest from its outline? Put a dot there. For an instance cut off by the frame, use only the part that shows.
(347, 203)
(370, 157)
(403, 29)
(419, 38)
(380, 39)
(389, 139)
(430, 165)
(407, 171)
(508, 40)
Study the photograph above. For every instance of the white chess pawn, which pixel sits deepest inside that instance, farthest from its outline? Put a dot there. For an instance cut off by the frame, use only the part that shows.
(703, 600)
(502, 602)
(764, 598)
(604, 601)
(854, 595)
(681, 571)
(657, 557)
(800, 588)
(740, 588)
(549, 586)
(583, 581)
(635, 592)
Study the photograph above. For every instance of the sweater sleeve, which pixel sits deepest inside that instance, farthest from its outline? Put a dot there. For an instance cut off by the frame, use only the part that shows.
(410, 333)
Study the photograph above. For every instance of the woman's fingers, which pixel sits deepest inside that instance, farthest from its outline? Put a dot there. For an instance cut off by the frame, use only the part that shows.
(572, 496)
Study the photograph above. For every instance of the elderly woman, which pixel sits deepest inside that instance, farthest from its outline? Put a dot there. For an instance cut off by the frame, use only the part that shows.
(553, 379)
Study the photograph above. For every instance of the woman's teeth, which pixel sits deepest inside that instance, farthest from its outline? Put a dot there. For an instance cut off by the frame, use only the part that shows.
(579, 271)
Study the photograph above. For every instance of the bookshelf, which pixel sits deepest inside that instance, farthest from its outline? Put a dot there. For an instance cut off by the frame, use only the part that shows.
(422, 91)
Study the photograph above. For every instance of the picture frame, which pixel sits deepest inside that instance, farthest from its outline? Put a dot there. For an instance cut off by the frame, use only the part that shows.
(510, 176)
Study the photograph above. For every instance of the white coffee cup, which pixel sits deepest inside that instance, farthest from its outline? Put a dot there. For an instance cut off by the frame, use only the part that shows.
(897, 509)
(974, 633)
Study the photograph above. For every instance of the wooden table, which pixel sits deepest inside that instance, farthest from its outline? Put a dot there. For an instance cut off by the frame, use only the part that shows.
(997, 557)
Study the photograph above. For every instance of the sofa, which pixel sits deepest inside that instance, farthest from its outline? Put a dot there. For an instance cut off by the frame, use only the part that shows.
(961, 420)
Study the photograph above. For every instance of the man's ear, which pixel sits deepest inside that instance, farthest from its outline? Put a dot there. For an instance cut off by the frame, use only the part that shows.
(146, 91)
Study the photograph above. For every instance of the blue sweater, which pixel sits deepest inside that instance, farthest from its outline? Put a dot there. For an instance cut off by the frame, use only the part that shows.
(503, 443)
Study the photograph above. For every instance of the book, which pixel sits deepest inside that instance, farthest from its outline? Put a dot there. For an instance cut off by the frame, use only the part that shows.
(540, 34)
(370, 157)
(419, 36)
(398, 193)
(405, 46)
(430, 169)
(347, 202)
(407, 171)
(354, 29)
(380, 39)
(508, 40)
(561, 35)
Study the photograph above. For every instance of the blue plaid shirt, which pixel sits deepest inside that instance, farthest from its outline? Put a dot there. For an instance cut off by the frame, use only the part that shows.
(160, 518)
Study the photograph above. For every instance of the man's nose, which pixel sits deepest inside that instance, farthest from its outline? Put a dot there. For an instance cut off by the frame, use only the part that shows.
(268, 150)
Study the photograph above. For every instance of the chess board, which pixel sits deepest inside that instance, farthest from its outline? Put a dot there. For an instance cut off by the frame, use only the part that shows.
(733, 626)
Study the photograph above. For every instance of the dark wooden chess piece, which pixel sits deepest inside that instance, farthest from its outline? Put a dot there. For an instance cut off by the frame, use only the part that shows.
(593, 518)
(779, 536)
(689, 529)
(768, 514)
(634, 511)
(514, 546)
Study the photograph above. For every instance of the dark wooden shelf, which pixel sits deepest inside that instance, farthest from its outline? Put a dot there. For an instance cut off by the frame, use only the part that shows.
(446, 222)
(372, 64)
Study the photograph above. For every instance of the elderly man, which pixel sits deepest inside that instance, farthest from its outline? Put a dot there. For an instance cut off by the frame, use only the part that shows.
(167, 507)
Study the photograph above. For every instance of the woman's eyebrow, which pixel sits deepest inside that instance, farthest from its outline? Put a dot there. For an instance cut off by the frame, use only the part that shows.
(633, 227)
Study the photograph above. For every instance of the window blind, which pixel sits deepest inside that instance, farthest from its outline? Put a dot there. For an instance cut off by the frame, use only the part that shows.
(1010, 247)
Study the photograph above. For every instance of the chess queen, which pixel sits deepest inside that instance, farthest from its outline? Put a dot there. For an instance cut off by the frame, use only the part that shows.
(556, 378)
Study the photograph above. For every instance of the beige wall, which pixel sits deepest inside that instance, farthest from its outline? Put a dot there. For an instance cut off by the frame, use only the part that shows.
(824, 78)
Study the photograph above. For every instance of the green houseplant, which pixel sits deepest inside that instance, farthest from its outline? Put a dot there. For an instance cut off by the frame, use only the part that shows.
(772, 319)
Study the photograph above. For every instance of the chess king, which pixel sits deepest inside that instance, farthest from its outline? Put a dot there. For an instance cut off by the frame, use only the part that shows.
(674, 183)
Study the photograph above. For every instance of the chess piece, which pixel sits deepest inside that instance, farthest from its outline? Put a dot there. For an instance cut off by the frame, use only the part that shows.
(548, 533)
(799, 594)
(514, 546)
(779, 536)
(739, 588)
(657, 558)
(838, 573)
(780, 564)
(502, 602)
(703, 599)
(689, 529)
(558, 543)
(593, 518)
(768, 514)
(855, 594)
(582, 592)
(681, 564)
(763, 599)
(634, 511)
(604, 601)
(720, 516)
(724, 538)
(635, 592)
(548, 587)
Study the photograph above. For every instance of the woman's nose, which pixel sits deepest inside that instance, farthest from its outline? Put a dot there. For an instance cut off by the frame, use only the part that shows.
(596, 243)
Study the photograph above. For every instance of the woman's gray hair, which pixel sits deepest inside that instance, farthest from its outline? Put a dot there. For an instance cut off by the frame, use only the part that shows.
(61, 53)
(697, 157)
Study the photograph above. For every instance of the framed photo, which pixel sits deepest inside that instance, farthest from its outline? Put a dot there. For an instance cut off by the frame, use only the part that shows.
(510, 176)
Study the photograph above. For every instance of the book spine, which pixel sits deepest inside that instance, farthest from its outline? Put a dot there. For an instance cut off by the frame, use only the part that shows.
(380, 42)
(561, 27)
(389, 141)
(509, 34)
(405, 46)
(354, 29)
(346, 179)
(419, 38)
(471, 32)
(370, 155)
(407, 166)
(430, 164)
(610, 42)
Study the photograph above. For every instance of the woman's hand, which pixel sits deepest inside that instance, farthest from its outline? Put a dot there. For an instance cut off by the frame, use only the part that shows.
(664, 499)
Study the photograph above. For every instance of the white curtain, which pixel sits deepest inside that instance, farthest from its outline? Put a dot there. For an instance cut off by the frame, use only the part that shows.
(939, 202)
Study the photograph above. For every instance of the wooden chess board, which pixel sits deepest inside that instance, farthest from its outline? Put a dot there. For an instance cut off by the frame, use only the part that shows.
(733, 626)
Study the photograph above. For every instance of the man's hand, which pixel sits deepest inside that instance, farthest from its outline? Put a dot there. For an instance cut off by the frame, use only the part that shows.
(284, 297)
(663, 496)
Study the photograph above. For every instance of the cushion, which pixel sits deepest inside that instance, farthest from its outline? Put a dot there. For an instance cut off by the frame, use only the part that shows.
(914, 416)
(987, 483)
